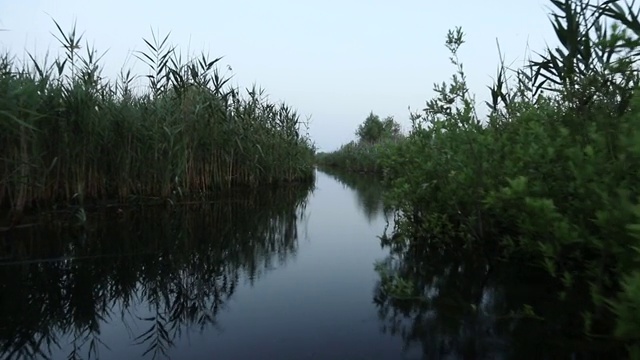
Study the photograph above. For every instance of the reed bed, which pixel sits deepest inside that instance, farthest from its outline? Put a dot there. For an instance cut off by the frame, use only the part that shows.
(65, 130)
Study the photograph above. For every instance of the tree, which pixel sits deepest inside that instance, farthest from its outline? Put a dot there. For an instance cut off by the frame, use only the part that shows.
(373, 129)
(391, 128)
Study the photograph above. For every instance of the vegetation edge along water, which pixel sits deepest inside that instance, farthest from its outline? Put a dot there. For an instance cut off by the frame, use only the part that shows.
(549, 179)
(67, 133)
(375, 136)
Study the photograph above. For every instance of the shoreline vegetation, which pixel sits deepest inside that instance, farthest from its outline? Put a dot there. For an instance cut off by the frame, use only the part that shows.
(548, 180)
(375, 138)
(68, 135)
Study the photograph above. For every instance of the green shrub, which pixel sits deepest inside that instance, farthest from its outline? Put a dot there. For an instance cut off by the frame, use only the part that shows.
(375, 138)
(358, 157)
(550, 178)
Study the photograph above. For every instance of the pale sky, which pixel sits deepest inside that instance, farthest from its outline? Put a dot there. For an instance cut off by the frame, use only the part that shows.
(334, 61)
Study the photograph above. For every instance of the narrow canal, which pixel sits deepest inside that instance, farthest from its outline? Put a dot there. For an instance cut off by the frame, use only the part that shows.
(271, 274)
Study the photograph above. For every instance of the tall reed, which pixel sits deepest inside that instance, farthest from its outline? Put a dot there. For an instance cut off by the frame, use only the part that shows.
(66, 130)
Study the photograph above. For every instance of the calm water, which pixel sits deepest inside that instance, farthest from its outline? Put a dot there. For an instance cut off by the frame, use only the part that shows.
(287, 274)
(283, 275)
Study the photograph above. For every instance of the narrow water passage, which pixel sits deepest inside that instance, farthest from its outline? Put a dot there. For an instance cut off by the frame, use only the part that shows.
(289, 277)
(317, 305)
(272, 274)
(320, 304)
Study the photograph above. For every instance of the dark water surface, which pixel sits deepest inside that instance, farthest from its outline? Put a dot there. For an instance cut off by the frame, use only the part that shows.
(286, 274)
(275, 275)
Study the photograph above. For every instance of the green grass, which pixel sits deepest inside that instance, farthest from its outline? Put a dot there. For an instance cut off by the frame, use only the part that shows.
(65, 130)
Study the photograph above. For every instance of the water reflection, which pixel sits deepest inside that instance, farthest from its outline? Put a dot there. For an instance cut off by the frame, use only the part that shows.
(458, 304)
(159, 272)
(368, 190)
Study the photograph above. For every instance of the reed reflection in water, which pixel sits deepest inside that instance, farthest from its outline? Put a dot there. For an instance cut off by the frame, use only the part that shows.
(155, 273)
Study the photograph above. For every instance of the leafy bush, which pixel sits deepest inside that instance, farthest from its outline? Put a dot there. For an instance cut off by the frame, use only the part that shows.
(358, 157)
(373, 130)
(552, 176)
(375, 138)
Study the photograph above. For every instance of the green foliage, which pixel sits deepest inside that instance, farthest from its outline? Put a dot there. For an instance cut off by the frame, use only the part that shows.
(375, 138)
(358, 157)
(552, 176)
(65, 130)
(373, 130)
(627, 307)
(394, 285)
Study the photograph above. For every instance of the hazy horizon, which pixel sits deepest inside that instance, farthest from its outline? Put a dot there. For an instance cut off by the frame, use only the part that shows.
(334, 62)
